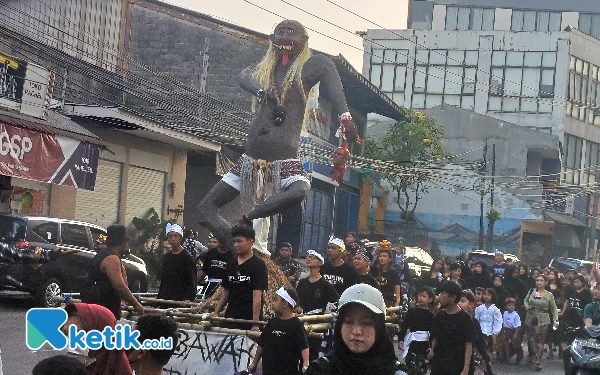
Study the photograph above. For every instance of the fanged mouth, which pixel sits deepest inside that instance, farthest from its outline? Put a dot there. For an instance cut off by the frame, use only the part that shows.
(287, 47)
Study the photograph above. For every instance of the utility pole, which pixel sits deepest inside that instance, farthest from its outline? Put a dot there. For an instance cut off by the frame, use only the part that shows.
(592, 236)
(482, 170)
(490, 233)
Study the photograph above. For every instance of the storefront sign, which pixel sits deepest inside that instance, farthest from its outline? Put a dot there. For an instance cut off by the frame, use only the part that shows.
(25, 87)
(48, 158)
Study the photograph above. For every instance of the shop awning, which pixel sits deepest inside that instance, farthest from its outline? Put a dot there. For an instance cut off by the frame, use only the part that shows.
(563, 219)
(57, 151)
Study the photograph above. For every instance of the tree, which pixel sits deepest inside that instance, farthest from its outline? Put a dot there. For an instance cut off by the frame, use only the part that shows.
(413, 142)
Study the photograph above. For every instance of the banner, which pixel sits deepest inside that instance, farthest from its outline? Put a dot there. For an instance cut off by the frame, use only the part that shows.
(48, 158)
(209, 353)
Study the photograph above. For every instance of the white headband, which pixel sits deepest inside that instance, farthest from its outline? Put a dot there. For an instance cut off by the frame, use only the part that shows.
(338, 242)
(316, 255)
(281, 292)
(174, 228)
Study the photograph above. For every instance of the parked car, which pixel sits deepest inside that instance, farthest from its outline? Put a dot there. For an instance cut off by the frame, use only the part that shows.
(481, 255)
(68, 273)
(562, 264)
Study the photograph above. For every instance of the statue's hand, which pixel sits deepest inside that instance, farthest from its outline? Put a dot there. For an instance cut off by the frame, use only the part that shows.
(349, 129)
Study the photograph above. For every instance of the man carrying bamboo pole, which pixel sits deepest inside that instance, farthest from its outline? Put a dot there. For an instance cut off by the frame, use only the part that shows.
(341, 275)
(282, 344)
(178, 279)
(246, 280)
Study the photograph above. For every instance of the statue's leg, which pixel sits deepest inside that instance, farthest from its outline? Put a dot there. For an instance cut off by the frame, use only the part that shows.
(221, 194)
(288, 197)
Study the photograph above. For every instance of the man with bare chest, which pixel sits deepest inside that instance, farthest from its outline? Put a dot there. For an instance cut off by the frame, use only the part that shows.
(269, 177)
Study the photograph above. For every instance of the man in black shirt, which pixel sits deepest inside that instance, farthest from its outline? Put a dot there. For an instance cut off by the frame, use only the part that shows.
(215, 265)
(314, 293)
(499, 264)
(341, 275)
(178, 279)
(579, 296)
(288, 265)
(246, 280)
(452, 334)
(362, 260)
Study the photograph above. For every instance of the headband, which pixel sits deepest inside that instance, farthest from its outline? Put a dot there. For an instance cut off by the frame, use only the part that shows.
(316, 255)
(338, 242)
(281, 292)
(174, 228)
(364, 255)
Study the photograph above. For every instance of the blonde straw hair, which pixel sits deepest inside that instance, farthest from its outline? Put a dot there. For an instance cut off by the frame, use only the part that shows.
(264, 73)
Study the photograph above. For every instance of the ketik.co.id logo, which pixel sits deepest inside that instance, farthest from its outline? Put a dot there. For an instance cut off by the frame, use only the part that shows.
(43, 326)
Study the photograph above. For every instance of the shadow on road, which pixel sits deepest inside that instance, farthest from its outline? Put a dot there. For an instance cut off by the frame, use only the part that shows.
(16, 301)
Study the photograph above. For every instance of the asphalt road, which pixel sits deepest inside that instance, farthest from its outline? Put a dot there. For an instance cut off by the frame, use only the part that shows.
(17, 359)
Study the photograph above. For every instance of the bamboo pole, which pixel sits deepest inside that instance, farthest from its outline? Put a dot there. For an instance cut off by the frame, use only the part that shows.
(171, 302)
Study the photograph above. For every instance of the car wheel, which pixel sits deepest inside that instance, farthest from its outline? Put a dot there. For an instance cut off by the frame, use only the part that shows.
(48, 291)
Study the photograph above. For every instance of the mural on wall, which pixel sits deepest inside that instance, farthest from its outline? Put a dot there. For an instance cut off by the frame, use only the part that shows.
(27, 201)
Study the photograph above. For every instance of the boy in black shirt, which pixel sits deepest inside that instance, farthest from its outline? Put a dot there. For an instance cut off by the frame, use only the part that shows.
(178, 278)
(314, 293)
(282, 343)
(452, 334)
(419, 320)
(341, 275)
(215, 265)
(362, 260)
(246, 280)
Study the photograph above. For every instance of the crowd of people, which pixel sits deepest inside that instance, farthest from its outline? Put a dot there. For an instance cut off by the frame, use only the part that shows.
(455, 315)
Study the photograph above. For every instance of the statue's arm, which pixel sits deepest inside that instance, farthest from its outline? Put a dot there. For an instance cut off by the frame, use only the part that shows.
(247, 82)
(330, 81)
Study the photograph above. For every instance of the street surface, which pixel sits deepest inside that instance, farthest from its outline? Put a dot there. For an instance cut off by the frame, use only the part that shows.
(17, 359)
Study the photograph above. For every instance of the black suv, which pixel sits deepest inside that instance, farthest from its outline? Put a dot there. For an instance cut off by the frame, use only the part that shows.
(68, 273)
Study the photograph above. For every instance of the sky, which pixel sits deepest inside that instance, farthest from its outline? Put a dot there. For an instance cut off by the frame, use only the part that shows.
(391, 14)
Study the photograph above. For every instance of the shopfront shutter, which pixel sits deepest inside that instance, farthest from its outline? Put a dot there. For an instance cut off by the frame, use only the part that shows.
(101, 206)
(145, 190)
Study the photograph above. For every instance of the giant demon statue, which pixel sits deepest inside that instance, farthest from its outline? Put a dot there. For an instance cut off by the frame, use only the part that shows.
(269, 176)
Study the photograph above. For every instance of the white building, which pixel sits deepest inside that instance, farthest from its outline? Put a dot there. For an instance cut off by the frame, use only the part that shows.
(531, 63)
(546, 81)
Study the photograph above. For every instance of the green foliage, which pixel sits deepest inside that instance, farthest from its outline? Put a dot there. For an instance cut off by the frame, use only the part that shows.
(414, 142)
(494, 215)
(148, 227)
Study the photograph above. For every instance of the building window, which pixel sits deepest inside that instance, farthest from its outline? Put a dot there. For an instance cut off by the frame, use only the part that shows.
(463, 18)
(584, 91)
(531, 20)
(388, 72)
(572, 159)
(590, 24)
(591, 162)
(522, 81)
(444, 77)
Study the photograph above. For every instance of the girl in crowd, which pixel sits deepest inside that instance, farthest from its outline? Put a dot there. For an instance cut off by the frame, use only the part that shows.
(490, 318)
(541, 312)
(455, 275)
(478, 295)
(481, 277)
(361, 343)
(555, 287)
(501, 292)
(435, 276)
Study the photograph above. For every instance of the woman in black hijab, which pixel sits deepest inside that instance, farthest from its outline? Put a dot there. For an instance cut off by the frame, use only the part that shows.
(480, 277)
(361, 344)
